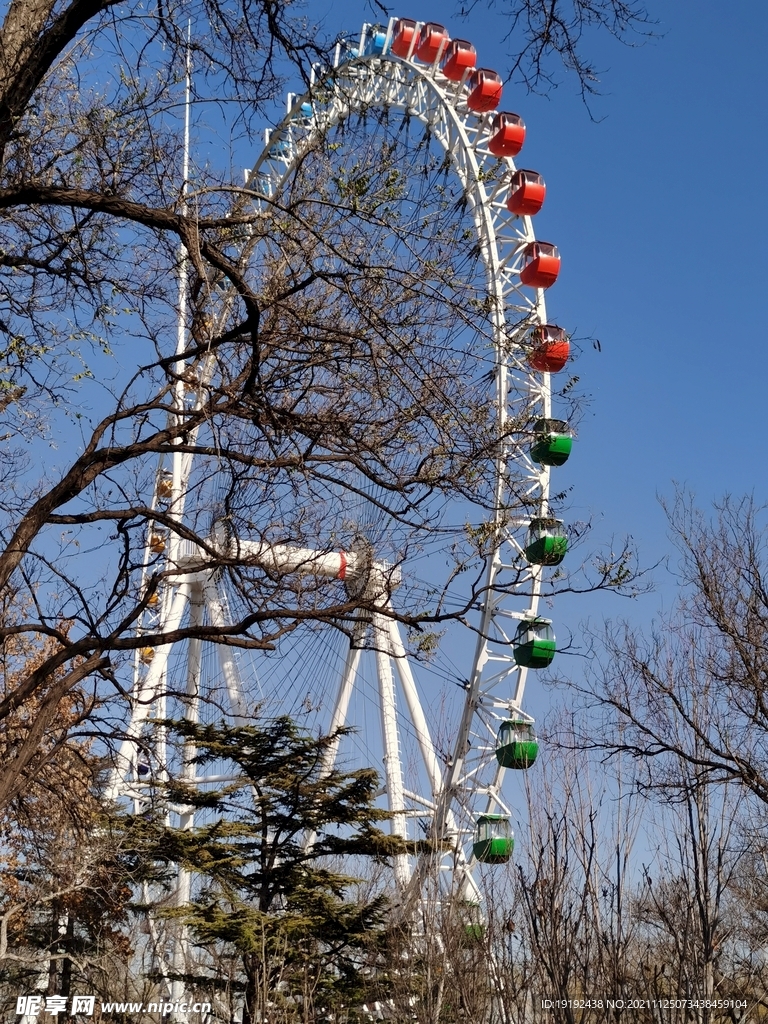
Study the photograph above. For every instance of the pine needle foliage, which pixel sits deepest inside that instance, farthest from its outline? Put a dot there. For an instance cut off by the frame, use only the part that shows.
(274, 864)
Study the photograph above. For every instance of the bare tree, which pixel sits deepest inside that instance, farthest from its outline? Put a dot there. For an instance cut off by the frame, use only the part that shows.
(333, 349)
(63, 906)
(694, 690)
(572, 932)
(686, 705)
(685, 906)
(543, 33)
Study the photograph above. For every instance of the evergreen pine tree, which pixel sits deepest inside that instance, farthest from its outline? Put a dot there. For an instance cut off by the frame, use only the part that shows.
(305, 936)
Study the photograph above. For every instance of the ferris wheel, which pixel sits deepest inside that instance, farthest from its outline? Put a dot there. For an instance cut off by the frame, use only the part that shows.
(406, 103)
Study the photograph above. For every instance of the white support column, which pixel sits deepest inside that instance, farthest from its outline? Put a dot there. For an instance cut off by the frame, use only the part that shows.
(194, 659)
(419, 721)
(187, 815)
(517, 699)
(434, 771)
(150, 690)
(418, 718)
(344, 695)
(393, 773)
(340, 708)
(220, 618)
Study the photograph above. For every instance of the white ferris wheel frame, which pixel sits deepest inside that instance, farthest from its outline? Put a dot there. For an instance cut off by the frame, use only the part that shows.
(457, 796)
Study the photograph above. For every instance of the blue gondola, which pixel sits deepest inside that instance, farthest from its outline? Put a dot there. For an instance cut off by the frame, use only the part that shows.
(375, 38)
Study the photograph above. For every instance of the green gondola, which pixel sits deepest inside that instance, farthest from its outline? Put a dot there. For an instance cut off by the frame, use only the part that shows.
(547, 542)
(494, 841)
(552, 442)
(533, 645)
(473, 933)
(516, 744)
(474, 926)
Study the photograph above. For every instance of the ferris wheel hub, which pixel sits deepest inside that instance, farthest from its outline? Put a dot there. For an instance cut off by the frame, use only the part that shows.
(363, 576)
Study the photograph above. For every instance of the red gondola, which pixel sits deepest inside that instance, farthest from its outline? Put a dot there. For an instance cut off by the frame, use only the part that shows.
(526, 193)
(507, 135)
(433, 39)
(484, 90)
(459, 57)
(403, 34)
(541, 264)
(551, 348)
